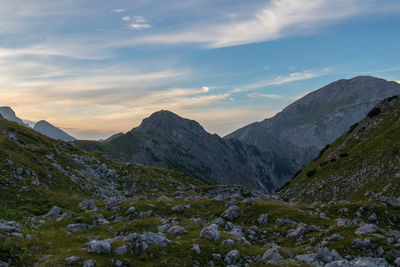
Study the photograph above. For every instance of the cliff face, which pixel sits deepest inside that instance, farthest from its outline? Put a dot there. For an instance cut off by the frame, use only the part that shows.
(302, 129)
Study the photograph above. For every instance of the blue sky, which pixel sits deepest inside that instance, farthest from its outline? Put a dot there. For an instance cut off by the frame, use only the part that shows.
(99, 67)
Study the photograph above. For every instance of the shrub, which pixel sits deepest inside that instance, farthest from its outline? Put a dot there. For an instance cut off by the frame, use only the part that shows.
(374, 112)
(311, 173)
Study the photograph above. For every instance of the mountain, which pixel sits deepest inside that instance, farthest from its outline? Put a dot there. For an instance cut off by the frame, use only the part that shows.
(114, 136)
(295, 135)
(167, 140)
(361, 164)
(49, 130)
(60, 206)
(9, 114)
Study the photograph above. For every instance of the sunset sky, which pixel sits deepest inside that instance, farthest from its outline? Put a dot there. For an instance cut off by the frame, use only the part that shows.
(99, 67)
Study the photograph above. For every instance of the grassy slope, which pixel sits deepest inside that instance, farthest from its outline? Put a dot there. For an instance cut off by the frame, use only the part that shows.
(51, 238)
(358, 165)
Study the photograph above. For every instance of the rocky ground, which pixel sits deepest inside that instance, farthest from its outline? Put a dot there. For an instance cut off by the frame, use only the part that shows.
(60, 206)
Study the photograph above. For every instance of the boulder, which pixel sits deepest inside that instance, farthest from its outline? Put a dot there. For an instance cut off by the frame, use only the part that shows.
(130, 211)
(232, 257)
(232, 213)
(88, 205)
(196, 248)
(89, 263)
(158, 240)
(262, 219)
(271, 256)
(227, 243)
(210, 232)
(177, 209)
(122, 250)
(297, 233)
(54, 211)
(177, 230)
(368, 228)
(71, 260)
(77, 227)
(368, 262)
(98, 247)
(391, 201)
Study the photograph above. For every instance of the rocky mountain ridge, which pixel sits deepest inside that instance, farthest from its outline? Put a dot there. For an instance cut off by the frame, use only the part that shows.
(167, 140)
(295, 136)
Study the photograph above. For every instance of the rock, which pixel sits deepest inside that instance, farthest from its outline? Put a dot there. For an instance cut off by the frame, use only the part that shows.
(232, 257)
(335, 237)
(72, 260)
(19, 171)
(271, 256)
(232, 213)
(297, 233)
(339, 263)
(328, 256)
(198, 221)
(362, 244)
(19, 235)
(158, 240)
(89, 263)
(196, 248)
(99, 247)
(146, 213)
(372, 217)
(367, 229)
(227, 243)
(219, 221)
(210, 232)
(231, 202)
(177, 230)
(262, 219)
(130, 211)
(397, 261)
(177, 209)
(248, 201)
(391, 201)
(88, 205)
(310, 259)
(114, 204)
(54, 211)
(341, 222)
(122, 250)
(164, 228)
(103, 168)
(77, 227)
(9, 226)
(3, 264)
(368, 262)
(102, 222)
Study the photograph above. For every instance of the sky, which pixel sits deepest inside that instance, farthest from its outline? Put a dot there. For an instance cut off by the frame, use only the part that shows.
(98, 67)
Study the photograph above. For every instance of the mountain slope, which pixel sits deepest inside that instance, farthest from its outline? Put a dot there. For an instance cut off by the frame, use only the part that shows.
(50, 130)
(9, 114)
(363, 163)
(302, 129)
(167, 140)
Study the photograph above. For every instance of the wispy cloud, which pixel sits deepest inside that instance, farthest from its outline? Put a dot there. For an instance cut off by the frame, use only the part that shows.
(292, 77)
(118, 10)
(257, 95)
(137, 26)
(277, 19)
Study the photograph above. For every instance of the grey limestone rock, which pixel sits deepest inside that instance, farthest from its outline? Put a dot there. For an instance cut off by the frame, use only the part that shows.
(232, 213)
(232, 257)
(210, 232)
(271, 256)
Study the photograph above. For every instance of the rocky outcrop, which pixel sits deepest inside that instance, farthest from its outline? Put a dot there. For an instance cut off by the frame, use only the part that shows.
(50, 130)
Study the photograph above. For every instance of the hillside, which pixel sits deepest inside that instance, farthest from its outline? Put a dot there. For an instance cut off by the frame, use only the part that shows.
(167, 140)
(361, 164)
(294, 136)
(62, 207)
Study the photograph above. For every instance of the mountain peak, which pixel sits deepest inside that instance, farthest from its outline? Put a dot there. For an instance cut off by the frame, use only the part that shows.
(50, 130)
(167, 121)
(9, 114)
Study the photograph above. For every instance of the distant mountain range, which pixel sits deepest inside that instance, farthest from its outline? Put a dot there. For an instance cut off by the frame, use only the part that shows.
(42, 126)
(263, 154)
